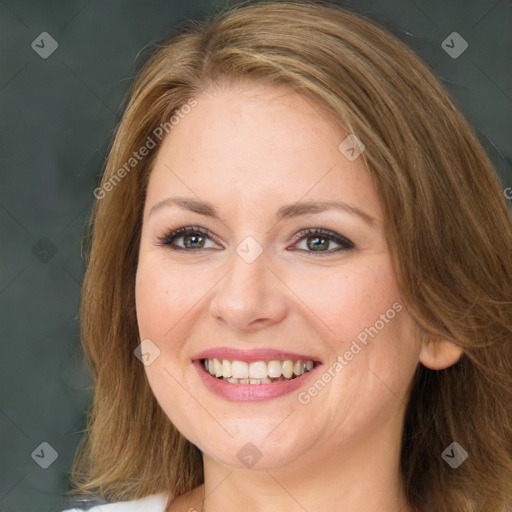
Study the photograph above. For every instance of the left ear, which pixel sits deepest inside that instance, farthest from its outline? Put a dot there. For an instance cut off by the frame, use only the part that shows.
(438, 354)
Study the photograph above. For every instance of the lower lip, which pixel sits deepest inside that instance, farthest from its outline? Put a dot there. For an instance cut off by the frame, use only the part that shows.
(250, 392)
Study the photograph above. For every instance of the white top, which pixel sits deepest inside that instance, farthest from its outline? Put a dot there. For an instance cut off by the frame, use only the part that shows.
(153, 503)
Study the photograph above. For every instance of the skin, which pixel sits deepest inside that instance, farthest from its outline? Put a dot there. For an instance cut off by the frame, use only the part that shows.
(250, 150)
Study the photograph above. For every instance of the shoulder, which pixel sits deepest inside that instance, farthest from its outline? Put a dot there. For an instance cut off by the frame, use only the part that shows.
(153, 503)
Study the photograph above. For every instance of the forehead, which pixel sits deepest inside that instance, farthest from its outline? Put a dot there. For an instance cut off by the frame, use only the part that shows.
(258, 145)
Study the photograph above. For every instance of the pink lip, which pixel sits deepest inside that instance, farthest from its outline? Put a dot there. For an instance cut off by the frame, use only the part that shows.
(261, 354)
(252, 392)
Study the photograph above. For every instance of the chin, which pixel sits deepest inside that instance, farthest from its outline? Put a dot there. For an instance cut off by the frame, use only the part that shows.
(258, 451)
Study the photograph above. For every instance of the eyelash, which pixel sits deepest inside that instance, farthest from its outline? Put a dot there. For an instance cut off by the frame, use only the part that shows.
(167, 239)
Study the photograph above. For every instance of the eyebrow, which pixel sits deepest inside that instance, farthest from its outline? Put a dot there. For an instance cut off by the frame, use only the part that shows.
(285, 212)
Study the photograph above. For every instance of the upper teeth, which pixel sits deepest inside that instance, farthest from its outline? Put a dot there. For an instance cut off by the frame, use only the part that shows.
(256, 369)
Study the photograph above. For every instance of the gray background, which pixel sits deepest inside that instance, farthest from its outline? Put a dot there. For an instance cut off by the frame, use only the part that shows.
(57, 119)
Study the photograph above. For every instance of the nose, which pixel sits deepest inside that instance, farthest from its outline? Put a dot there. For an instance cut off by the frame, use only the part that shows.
(250, 297)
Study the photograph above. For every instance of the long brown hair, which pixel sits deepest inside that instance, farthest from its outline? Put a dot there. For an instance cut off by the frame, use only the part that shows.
(447, 227)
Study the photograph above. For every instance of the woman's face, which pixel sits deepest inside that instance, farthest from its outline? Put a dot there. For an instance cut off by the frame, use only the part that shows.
(248, 285)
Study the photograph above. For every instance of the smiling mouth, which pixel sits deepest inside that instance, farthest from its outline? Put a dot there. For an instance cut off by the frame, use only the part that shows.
(257, 372)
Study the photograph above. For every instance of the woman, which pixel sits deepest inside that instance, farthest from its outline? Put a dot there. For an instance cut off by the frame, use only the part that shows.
(298, 288)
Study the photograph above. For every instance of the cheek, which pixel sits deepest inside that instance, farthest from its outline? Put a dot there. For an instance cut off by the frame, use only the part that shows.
(161, 312)
(350, 299)
(366, 312)
(160, 301)
(361, 314)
